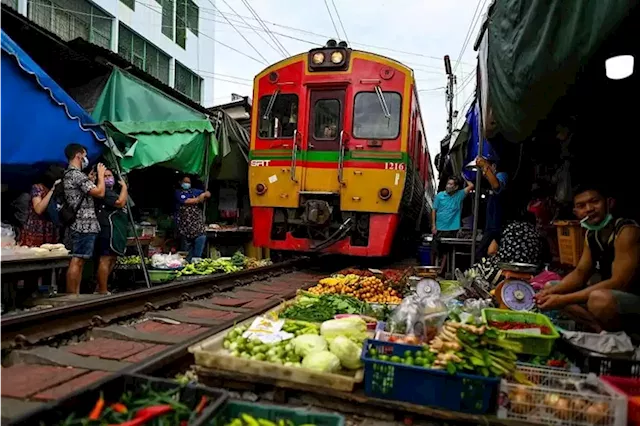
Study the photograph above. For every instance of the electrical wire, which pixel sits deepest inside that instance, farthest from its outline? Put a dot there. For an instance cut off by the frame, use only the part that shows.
(472, 26)
(340, 20)
(263, 25)
(254, 30)
(331, 17)
(266, 62)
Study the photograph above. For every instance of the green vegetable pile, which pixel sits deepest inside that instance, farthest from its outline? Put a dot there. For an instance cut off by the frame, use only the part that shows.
(322, 308)
(131, 260)
(337, 343)
(239, 260)
(419, 358)
(248, 420)
(209, 266)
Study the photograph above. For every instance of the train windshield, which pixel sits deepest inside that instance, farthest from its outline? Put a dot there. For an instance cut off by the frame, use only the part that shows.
(369, 117)
(282, 117)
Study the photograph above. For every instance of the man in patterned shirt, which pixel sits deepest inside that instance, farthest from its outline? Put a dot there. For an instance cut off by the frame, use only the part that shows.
(79, 192)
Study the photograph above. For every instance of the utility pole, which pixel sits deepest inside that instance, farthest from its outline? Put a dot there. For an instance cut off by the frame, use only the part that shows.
(450, 78)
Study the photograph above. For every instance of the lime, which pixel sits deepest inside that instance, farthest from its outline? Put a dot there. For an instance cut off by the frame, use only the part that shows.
(396, 358)
(409, 361)
(419, 361)
(408, 354)
(373, 352)
(418, 354)
(384, 357)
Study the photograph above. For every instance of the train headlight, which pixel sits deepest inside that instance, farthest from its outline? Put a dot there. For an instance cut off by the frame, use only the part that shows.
(261, 189)
(318, 58)
(337, 57)
(384, 194)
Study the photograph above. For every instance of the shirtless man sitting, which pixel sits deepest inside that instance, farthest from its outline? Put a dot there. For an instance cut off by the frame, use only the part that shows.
(612, 250)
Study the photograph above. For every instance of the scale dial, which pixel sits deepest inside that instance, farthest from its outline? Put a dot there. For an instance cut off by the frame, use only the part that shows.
(428, 287)
(517, 295)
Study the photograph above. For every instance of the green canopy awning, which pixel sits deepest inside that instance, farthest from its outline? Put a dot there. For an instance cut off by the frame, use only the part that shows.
(179, 145)
(535, 50)
(127, 98)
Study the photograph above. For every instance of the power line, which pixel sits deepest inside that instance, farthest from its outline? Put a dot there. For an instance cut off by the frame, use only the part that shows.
(204, 34)
(340, 20)
(472, 26)
(254, 30)
(262, 24)
(266, 62)
(331, 16)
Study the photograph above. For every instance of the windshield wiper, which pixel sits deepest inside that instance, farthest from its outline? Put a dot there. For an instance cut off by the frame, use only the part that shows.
(272, 101)
(383, 103)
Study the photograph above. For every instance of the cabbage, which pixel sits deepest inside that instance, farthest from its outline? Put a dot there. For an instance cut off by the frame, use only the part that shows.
(309, 343)
(355, 328)
(347, 352)
(323, 361)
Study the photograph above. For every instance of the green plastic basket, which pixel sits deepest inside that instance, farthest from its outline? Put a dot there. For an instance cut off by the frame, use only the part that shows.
(274, 413)
(531, 345)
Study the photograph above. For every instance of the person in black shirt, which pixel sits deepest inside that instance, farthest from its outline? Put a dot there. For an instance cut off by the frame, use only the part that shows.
(112, 239)
(612, 254)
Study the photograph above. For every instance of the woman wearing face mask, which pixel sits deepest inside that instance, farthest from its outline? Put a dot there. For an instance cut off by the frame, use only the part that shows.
(112, 239)
(189, 218)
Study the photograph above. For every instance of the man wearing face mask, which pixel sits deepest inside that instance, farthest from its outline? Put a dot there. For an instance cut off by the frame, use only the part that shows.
(112, 240)
(79, 192)
(612, 251)
(445, 215)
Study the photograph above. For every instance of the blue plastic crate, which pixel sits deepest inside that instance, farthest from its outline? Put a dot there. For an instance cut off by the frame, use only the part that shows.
(423, 386)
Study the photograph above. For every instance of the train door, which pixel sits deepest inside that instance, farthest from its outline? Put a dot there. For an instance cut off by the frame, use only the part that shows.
(324, 141)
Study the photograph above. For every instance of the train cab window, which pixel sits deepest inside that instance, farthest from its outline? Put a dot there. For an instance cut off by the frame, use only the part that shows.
(369, 120)
(278, 116)
(326, 119)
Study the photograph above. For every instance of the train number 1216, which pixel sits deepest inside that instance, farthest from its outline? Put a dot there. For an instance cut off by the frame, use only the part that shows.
(394, 166)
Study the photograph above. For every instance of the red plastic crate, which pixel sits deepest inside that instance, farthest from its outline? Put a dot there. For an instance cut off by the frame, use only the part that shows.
(631, 389)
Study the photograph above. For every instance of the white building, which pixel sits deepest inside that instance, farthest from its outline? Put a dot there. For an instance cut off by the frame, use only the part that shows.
(166, 38)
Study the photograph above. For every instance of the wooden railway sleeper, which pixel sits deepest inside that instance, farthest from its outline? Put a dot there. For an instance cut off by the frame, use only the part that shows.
(97, 321)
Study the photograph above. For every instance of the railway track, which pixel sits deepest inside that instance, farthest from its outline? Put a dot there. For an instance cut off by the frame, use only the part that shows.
(48, 354)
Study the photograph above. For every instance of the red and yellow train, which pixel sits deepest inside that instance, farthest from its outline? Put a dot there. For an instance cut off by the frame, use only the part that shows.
(339, 161)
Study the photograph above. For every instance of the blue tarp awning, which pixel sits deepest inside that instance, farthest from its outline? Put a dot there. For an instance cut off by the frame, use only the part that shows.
(38, 117)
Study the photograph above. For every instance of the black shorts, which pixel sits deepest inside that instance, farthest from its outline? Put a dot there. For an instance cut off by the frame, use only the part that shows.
(435, 244)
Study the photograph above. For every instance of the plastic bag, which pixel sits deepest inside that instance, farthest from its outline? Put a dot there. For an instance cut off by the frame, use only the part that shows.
(8, 236)
(166, 261)
(410, 318)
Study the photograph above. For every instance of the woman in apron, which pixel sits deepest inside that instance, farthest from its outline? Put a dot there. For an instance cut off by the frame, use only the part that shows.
(112, 240)
(189, 218)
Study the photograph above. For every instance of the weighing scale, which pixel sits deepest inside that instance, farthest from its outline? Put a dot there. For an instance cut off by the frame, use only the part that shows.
(425, 287)
(515, 292)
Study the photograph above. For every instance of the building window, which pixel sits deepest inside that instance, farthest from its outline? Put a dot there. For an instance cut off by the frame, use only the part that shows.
(167, 18)
(326, 119)
(70, 19)
(188, 83)
(131, 4)
(143, 54)
(181, 23)
(369, 121)
(11, 3)
(282, 119)
(193, 14)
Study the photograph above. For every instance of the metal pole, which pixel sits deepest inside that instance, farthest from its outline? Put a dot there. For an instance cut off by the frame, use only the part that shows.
(143, 265)
(476, 201)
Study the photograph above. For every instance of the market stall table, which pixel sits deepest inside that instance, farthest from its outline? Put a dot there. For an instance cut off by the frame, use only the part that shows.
(453, 243)
(17, 265)
(228, 237)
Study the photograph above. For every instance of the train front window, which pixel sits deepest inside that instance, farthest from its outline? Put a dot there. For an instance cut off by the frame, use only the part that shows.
(369, 116)
(281, 119)
(326, 119)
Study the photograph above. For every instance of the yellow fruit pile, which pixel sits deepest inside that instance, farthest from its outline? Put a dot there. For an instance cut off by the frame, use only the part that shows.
(368, 289)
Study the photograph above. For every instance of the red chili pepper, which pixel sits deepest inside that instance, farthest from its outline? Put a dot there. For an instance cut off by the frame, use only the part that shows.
(97, 409)
(184, 423)
(203, 403)
(148, 413)
(119, 407)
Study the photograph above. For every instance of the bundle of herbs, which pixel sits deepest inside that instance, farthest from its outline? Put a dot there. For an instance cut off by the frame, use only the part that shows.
(474, 349)
(321, 308)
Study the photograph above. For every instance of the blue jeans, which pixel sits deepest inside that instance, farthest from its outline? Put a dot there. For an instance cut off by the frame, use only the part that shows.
(194, 246)
(82, 245)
